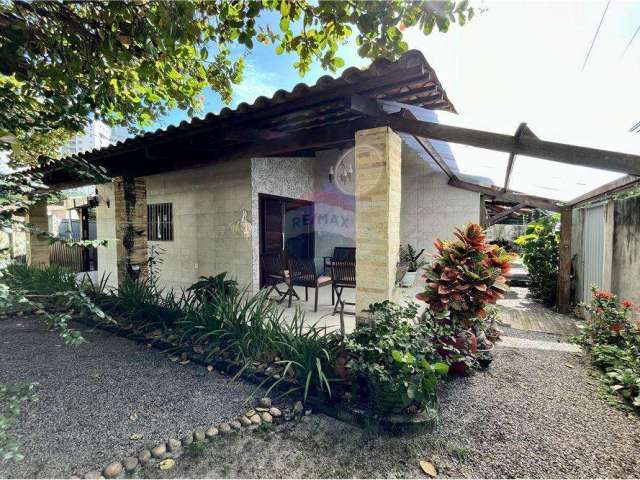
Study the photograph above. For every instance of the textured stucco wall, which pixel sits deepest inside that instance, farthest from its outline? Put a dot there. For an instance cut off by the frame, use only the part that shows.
(207, 203)
(625, 271)
(430, 207)
(106, 230)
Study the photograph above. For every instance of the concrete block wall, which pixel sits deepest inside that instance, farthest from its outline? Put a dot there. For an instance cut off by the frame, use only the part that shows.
(430, 207)
(625, 271)
(335, 210)
(208, 204)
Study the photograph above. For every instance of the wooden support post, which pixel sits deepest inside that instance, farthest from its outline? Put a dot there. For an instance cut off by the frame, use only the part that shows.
(564, 267)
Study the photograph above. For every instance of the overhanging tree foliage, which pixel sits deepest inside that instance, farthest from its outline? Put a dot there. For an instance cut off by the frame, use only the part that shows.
(131, 62)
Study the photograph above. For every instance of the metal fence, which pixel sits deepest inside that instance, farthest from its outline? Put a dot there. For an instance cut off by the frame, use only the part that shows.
(74, 257)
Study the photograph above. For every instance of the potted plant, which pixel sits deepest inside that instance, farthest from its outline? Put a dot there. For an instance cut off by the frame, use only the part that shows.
(392, 362)
(411, 258)
(484, 352)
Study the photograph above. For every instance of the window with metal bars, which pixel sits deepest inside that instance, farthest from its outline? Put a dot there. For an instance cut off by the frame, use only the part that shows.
(160, 222)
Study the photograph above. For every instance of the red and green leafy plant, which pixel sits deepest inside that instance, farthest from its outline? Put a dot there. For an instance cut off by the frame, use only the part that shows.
(466, 275)
(613, 342)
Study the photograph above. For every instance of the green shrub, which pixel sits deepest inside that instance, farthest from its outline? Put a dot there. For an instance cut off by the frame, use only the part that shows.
(12, 396)
(613, 341)
(39, 280)
(50, 290)
(393, 360)
(411, 257)
(207, 288)
(540, 246)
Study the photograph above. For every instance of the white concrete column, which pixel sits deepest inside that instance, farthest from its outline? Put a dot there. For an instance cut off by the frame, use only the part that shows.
(378, 157)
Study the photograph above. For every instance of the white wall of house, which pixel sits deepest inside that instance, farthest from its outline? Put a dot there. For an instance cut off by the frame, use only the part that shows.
(106, 230)
(208, 203)
(430, 207)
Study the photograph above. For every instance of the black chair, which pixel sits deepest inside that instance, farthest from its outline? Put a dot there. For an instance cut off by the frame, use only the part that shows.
(302, 273)
(343, 275)
(274, 274)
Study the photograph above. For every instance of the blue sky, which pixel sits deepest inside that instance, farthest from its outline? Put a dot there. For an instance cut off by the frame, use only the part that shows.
(518, 61)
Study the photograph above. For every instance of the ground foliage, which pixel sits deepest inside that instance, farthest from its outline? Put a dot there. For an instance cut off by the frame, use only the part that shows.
(540, 249)
(12, 398)
(613, 340)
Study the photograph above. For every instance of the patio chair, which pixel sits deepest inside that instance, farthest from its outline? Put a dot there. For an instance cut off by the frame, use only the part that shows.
(343, 275)
(302, 273)
(274, 274)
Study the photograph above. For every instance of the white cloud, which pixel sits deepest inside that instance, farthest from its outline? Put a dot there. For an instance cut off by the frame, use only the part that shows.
(256, 82)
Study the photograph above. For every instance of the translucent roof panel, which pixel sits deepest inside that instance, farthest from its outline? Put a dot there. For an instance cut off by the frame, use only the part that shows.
(559, 181)
(533, 176)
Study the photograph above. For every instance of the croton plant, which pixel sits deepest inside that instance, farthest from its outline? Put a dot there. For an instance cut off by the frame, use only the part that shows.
(466, 274)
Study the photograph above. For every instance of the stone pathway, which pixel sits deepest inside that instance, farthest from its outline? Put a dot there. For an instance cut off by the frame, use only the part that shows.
(522, 313)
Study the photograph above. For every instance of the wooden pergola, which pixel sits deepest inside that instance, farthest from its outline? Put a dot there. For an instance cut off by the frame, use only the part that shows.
(523, 142)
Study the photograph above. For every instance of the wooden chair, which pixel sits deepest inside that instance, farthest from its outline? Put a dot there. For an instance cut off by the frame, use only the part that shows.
(274, 274)
(302, 273)
(343, 275)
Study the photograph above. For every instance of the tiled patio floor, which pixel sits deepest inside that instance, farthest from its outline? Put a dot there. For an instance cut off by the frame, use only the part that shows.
(324, 317)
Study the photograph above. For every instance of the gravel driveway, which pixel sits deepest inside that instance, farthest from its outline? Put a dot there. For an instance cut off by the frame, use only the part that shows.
(535, 413)
(93, 397)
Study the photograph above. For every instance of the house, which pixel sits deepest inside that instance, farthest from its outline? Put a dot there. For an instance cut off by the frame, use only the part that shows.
(360, 161)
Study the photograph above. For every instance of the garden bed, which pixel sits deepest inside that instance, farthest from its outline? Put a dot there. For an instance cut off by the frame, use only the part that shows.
(424, 421)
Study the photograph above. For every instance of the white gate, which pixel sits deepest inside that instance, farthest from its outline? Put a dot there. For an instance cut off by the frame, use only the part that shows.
(593, 249)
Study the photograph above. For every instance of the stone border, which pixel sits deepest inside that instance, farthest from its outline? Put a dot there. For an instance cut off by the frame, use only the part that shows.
(424, 421)
(264, 413)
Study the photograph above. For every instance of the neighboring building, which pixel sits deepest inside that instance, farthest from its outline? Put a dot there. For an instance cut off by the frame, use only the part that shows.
(96, 135)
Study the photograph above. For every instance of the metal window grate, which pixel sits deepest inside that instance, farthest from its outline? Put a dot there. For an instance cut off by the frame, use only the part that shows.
(160, 222)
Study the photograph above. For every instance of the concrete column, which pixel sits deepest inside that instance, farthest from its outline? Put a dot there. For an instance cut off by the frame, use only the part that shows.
(130, 211)
(378, 157)
(38, 249)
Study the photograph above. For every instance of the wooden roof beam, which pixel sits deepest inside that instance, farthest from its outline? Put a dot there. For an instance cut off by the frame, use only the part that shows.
(512, 157)
(505, 213)
(619, 184)
(527, 145)
(508, 196)
(371, 107)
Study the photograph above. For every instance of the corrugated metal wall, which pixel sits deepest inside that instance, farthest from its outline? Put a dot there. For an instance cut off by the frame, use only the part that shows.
(593, 249)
